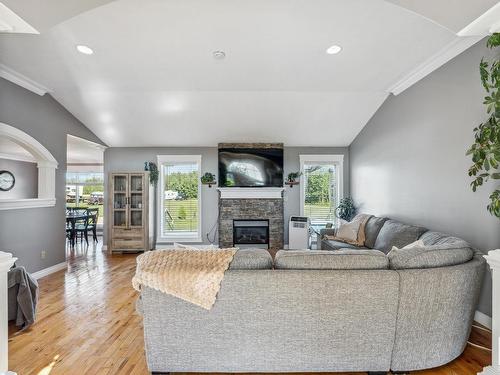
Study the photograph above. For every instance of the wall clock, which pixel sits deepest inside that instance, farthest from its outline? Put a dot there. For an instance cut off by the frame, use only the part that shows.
(7, 180)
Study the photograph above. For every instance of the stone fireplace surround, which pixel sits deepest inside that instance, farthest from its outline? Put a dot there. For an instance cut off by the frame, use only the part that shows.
(270, 209)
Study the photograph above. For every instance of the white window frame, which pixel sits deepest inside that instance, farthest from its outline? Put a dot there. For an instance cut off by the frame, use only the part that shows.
(337, 160)
(181, 237)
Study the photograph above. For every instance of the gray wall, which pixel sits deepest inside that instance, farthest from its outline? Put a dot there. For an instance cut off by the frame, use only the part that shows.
(27, 232)
(26, 179)
(130, 159)
(409, 161)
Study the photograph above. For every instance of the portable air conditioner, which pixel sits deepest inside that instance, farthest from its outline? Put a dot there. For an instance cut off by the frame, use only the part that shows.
(298, 233)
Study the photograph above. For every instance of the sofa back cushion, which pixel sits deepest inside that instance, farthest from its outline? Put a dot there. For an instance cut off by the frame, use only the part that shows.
(441, 255)
(372, 229)
(344, 259)
(252, 259)
(394, 233)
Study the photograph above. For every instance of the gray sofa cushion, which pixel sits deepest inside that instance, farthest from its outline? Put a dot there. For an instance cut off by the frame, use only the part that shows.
(441, 255)
(394, 233)
(252, 259)
(337, 245)
(372, 229)
(345, 259)
(431, 238)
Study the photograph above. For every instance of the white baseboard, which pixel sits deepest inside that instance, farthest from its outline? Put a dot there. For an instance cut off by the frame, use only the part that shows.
(483, 319)
(49, 270)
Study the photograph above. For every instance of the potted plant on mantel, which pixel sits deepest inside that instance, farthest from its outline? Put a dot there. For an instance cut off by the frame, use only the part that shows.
(485, 150)
(208, 179)
(292, 177)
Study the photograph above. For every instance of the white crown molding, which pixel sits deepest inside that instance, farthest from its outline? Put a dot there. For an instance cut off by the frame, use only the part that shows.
(10, 22)
(451, 50)
(49, 270)
(251, 193)
(487, 23)
(23, 81)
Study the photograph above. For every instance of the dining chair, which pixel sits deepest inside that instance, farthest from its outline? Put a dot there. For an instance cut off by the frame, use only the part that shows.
(89, 224)
(79, 223)
(93, 215)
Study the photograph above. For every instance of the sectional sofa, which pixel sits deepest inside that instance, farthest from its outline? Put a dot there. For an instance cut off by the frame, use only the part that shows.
(312, 311)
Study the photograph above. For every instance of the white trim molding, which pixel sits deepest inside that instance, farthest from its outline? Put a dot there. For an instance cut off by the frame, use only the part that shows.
(46, 163)
(451, 50)
(49, 270)
(493, 259)
(26, 159)
(23, 81)
(17, 204)
(486, 23)
(483, 319)
(10, 22)
(251, 193)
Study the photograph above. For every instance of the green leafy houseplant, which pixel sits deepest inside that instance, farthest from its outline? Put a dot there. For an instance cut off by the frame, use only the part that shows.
(292, 176)
(346, 209)
(208, 179)
(153, 172)
(485, 150)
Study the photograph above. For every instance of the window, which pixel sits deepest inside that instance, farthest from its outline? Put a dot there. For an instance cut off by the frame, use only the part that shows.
(85, 189)
(321, 187)
(179, 198)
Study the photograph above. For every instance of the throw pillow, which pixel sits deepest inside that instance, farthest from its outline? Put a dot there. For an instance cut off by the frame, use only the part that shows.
(417, 243)
(353, 232)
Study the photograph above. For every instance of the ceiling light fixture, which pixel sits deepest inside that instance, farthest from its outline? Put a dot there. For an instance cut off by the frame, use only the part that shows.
(333, 50)
(84, 49)
(219, 55)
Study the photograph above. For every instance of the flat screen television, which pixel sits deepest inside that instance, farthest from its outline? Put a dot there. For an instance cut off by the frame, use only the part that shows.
(251, 167)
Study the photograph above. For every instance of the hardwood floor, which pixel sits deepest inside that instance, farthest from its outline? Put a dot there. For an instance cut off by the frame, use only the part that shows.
(87, 324)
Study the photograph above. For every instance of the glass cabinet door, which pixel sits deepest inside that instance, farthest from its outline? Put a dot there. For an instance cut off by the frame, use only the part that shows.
(136, 183)
(136, 218)
(136, 199)
(119, 200)
(120, 183)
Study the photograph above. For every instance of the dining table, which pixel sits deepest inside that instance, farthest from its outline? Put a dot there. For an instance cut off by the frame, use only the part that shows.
(72, 218)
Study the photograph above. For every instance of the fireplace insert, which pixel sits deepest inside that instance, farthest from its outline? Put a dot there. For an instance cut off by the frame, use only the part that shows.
(251, 233)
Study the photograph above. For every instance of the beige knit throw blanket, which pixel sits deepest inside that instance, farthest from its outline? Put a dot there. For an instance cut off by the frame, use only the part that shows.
(192, 275)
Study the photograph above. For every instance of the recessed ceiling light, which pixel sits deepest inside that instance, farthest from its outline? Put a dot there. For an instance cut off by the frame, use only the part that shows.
(84, 49)
(219, 55)
(333, 50)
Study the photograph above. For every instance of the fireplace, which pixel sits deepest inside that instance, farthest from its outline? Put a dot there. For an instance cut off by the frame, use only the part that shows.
(251, 233)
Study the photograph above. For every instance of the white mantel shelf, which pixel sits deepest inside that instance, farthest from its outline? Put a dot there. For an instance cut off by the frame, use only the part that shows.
(251, 193)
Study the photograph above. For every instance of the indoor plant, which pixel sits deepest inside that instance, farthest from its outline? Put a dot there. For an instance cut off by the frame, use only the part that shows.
(346, 209)
(208, 179)
(292, 176)
(153, 172)
(485, 150)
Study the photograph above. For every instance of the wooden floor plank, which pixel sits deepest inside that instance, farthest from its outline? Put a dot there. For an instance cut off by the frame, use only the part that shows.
(87, 324)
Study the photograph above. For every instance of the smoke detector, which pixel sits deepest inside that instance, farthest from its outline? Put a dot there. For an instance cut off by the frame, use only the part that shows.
(219, 55)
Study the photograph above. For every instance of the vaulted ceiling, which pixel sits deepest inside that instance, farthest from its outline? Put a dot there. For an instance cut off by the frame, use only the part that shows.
(153, 81)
